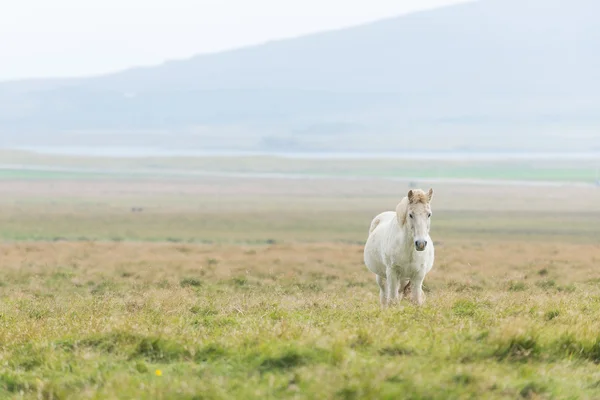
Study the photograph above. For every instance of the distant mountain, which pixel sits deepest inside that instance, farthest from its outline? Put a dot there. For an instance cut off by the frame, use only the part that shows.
(492, 74)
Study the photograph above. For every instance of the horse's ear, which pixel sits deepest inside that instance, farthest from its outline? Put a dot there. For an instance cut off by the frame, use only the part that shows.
(430, 194)
(411, 195)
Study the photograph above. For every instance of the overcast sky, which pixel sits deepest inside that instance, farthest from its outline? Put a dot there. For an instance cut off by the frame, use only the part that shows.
(42, 38)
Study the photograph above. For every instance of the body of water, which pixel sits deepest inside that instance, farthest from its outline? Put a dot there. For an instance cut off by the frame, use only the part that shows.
(142, 152)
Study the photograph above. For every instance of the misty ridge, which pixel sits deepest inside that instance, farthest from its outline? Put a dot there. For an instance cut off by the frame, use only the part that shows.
(500, 75)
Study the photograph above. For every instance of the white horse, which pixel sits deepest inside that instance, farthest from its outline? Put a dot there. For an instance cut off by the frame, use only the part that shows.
(399, 250)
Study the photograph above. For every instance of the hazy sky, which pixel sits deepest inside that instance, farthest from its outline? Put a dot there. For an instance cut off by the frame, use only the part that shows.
(40, 38)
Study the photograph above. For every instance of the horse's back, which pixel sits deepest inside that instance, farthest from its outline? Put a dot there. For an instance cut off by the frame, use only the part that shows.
(385, 216)
(373, 252)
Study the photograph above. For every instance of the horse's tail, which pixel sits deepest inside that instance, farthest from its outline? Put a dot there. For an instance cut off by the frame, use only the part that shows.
(374, 224)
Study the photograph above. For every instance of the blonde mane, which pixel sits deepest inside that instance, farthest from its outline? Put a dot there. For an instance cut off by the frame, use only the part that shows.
(416, 196)
(402, 210)
(419, 196)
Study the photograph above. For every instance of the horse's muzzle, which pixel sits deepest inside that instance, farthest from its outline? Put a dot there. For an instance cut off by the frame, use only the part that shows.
(420, 245)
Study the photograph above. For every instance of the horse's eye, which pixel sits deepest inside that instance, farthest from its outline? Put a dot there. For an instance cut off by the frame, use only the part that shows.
(429, 215)
(410, 215)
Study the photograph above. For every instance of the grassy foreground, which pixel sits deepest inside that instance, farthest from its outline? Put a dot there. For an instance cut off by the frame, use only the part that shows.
(145, 316)
(152, 321)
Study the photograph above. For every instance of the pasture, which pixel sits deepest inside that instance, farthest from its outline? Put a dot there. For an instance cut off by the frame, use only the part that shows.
(248, 288)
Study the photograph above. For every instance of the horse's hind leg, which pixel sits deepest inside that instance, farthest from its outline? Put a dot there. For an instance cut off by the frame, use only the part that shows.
(381, 283)
(406, 288)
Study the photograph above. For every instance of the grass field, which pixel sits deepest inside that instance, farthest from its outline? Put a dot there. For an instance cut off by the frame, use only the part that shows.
(234, 288)
(579, 170)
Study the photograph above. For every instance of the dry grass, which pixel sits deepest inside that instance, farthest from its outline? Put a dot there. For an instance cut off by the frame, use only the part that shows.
(265, 211)
(506, 316)
(98, 319)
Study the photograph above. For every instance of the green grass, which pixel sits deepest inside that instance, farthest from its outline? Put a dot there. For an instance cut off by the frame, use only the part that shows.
(92, 332)
(225, 289)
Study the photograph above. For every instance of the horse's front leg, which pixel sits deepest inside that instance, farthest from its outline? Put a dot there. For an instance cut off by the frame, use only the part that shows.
(393, 286)
(382, 290)
(417, 294)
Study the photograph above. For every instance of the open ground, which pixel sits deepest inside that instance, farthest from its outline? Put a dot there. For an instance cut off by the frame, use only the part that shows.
(212, 288)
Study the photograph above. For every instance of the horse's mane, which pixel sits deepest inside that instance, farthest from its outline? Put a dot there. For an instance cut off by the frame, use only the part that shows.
(402, 210)
(419, 196)
(416, 196)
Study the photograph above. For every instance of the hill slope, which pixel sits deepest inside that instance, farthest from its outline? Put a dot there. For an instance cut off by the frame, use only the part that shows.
(493, 74)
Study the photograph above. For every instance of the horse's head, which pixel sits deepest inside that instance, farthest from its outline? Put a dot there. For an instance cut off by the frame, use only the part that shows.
(418, 216)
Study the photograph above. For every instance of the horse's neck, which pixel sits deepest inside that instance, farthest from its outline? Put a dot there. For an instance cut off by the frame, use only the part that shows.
(403, 234)
(399, 246)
